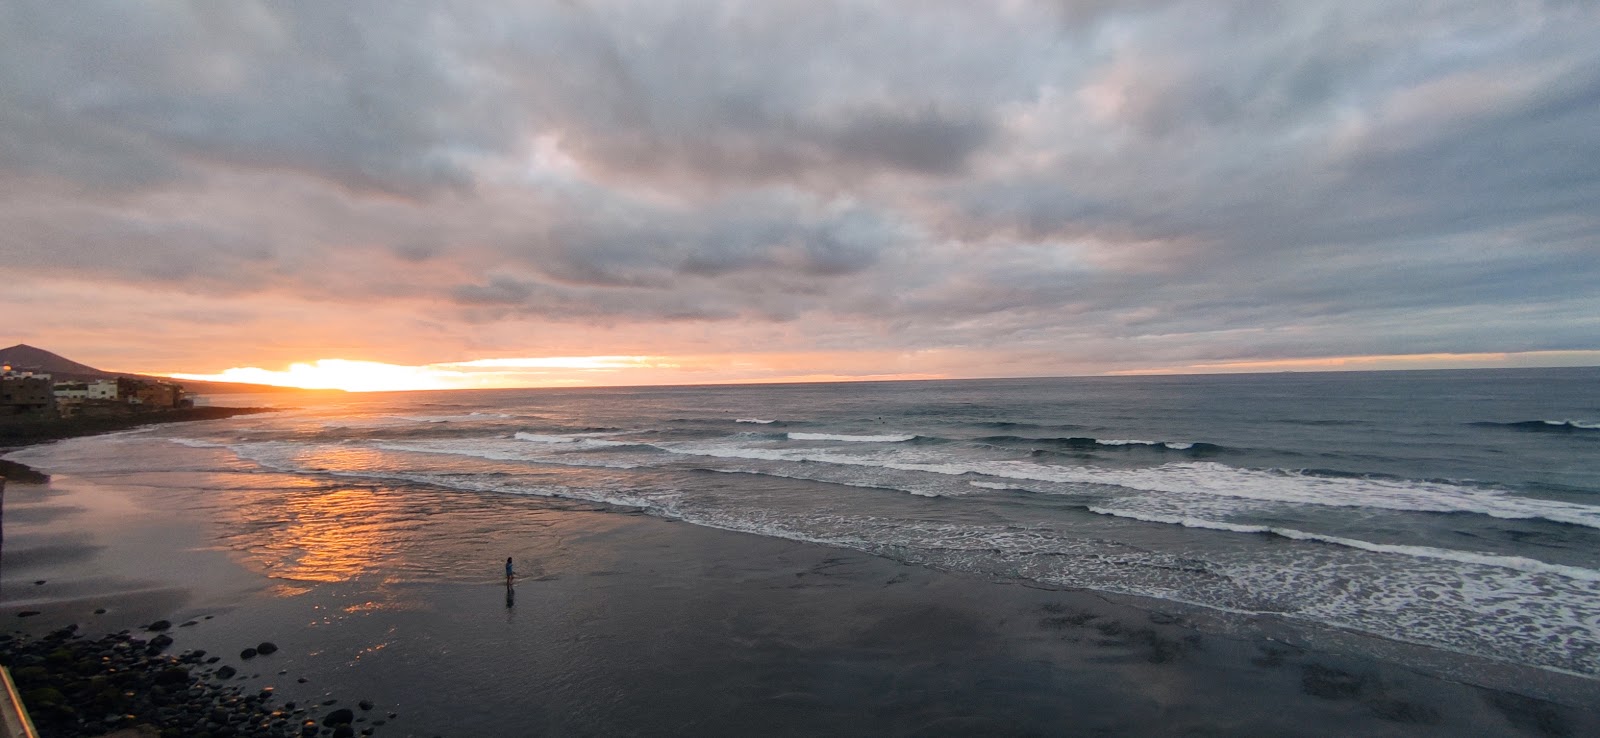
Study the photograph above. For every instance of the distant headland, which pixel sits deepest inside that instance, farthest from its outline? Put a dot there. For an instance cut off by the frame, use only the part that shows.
(45, 396)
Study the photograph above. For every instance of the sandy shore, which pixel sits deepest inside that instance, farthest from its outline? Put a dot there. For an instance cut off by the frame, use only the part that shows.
(624, 624)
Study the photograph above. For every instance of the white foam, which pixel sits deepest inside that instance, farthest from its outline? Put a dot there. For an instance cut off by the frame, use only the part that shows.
(586, 440)
(755, 420)
(197, 443)
(1574, 424)
(539, 438)
(1519, 563)
(1208, 479)
(888, 438)
(1174, 445)
(992, 485)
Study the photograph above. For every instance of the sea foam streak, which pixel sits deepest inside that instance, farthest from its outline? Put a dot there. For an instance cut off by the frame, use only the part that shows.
(755, 420)
(1212, 479)
(1519, 563)
(888, 438)
(585, 441)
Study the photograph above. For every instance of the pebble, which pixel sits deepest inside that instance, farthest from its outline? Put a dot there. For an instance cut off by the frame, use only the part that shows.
(75, 686)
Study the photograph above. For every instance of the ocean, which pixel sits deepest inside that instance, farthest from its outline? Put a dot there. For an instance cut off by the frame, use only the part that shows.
(1458, 510)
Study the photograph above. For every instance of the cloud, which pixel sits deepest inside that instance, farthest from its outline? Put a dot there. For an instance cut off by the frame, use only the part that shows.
(1080, 185)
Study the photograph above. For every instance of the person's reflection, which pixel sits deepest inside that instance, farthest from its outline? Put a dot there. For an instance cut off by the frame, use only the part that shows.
(511, 596)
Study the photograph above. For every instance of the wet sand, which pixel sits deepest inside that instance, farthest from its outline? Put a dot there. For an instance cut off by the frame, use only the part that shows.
(625, 624)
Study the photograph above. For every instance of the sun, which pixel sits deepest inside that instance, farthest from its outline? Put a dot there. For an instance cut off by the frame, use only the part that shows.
(373, 376)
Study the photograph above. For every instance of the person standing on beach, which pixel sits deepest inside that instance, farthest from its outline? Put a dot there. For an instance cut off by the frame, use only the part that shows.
(509, 572)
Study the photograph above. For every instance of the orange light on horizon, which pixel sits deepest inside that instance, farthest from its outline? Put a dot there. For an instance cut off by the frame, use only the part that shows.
(553, 371)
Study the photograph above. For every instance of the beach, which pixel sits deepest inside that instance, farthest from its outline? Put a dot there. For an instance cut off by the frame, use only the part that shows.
(623, 623)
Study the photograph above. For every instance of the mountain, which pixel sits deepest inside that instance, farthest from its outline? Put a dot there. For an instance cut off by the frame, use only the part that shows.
(23, 356)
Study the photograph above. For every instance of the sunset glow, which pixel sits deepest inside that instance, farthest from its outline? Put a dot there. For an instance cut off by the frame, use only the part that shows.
(548, 194)
(372, 376)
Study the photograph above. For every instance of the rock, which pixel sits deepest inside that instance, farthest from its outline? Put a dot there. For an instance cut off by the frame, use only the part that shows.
(27, 613)
(247, 654)
(174, 675)
(302, 680)
(38, 582)
(226, 672)
(341, 716)
(99, 611)
(266, 647)
(158, 625)
(344, 731)
(364, 704)
(161, 641)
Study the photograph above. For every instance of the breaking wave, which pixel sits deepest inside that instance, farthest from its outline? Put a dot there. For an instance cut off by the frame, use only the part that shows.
(1084, 443)
(886, 438)
(1547, 426)
(1519, 563)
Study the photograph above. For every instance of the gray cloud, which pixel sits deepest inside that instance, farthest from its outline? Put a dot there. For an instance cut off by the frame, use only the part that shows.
(1153, 181)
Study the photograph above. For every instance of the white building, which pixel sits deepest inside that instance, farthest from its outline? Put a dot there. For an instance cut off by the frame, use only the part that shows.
(100, 389)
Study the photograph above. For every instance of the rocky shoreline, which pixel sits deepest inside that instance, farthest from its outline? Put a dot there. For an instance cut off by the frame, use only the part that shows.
(23, 431)
(77, 686)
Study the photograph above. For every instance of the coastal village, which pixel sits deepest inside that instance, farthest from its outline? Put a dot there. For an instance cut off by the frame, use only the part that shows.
(31, 393)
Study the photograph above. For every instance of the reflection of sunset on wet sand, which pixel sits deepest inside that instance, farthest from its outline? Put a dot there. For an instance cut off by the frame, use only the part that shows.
(329, 537)
(337, 533)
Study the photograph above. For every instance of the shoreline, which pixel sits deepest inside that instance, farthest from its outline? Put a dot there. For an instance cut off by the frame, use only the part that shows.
(628, 623)
(19, 432)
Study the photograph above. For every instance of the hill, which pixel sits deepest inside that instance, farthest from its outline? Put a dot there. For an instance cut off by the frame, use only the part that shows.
(23, 356)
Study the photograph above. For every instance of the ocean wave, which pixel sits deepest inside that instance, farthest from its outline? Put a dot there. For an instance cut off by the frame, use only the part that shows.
(1207, 479)
(998, 486)
(1009, 425)
(587, 440)
(757, 421)
(1519, 563)
(824, 480)
(1547, 426)
(886, 438)
(469, 417)
(1084, 442)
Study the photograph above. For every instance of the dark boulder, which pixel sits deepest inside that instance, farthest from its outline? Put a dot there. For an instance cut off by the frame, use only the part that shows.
(341, 716)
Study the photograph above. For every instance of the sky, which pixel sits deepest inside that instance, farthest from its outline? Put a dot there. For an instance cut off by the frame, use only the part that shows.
(396, 194)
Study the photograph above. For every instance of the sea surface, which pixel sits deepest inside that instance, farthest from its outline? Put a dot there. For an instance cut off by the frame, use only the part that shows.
(1454, 509)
